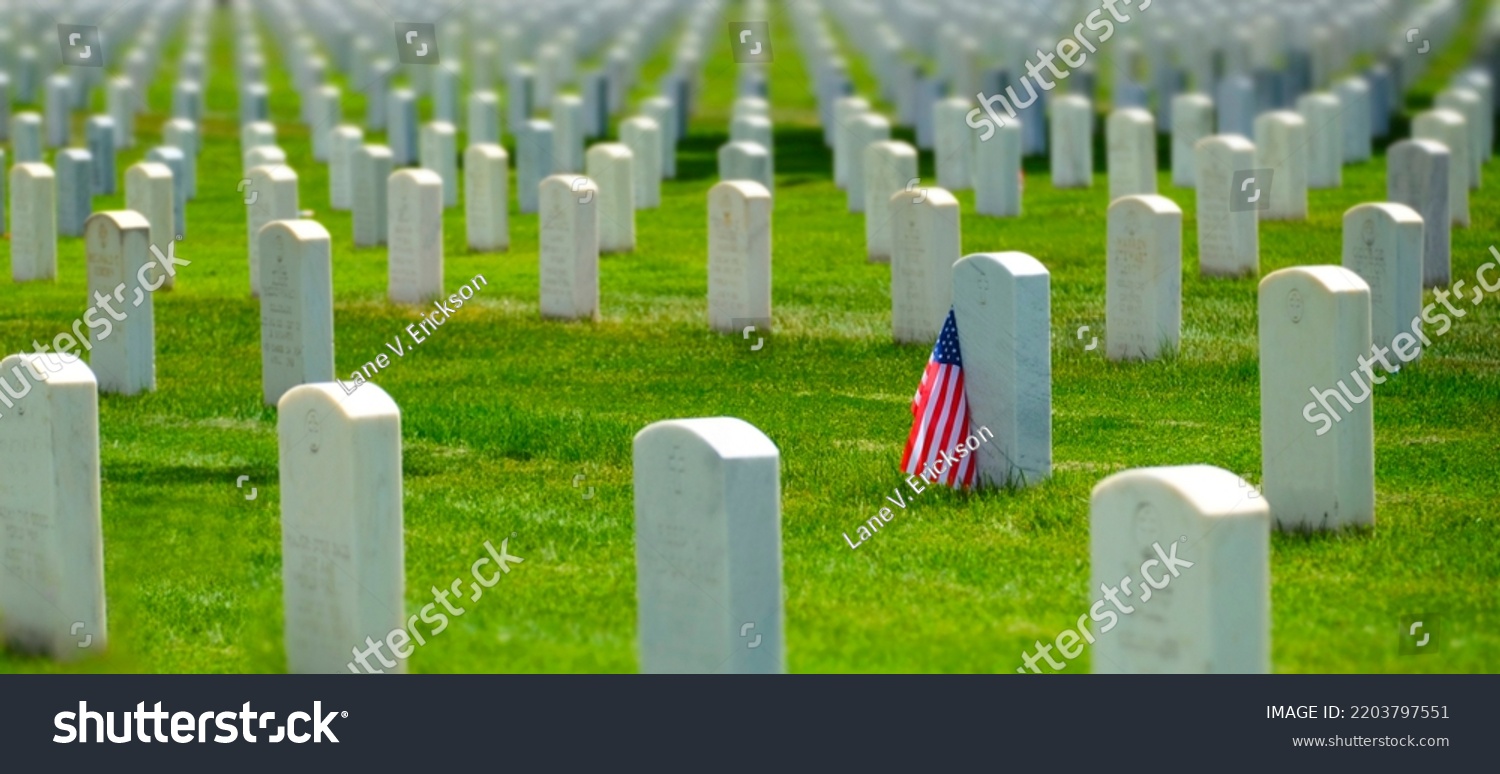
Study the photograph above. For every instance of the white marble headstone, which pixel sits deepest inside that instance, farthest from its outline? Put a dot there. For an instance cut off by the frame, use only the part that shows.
(342, 142)
(1001, 305)
(122, 352)
(1130, 141)
(342, 561)
(1451, 129)
(1228, 229)
(868, 128)
(739, 254)
(51, 536)
(1383, 245)
(1143, 295)
(371, 169)
(1072, 148)
(925, 243)
(708, 548)
(415, 221)
(487, 197)
(148, 190)
(889, 166)
(643, 137)
(272, 195)
(296, 306)
(953, 143)
(1317, 442)
(439, 153)
(1281, 139)
(1417, 176)
(611, 167)
(1186, 551)
(569, 235)
(75, 190)
(1192, 120)
(1324, 118)
(33, 222)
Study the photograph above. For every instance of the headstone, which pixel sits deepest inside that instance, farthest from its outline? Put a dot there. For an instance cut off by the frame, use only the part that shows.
(484, 118)
(1003, 302)
(739, 255)
(1383, 245)
(953, 143)
(415, 220)
(643, 137)
(868, 128)
(708, 547)
(255, 101)
(925, 244)
(148, 190)
(1072, 142)
(378, 97)
(257, 134)
(569, 225)
(1449, 128)
(439, 153)
(1467, 103)
(745, 161)
(1325, 139)
(1318, 469)
(33, 222)
(845, 109)
(75, 190)
(59, 110)
(997, 174)
(325, 113)
(187, 101)
(121, 104)
(1192, 120)
(1281, 139)
(271, 196)
(369, 172)
(1417, 176)
(1236, 105)
(1228, 228)
(487, 197)
(51, 536)
(758, 130)
(1143, 295)
(26, 137)
(401, 126)
(123, 355)
(533, 161)
(520, 94)
(444, 93)
(174, 159)
(567, 133)
(1196, 541)
(1131, 152)
(661, 110)
(296, 306)
(611, 168)
(343, 141)
(1480, 82)
(889, 167)
(1354, 97)
(182, 134)
(101, 141)
(342, 571)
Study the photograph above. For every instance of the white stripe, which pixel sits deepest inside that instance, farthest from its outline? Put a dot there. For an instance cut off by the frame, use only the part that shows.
(922, 452)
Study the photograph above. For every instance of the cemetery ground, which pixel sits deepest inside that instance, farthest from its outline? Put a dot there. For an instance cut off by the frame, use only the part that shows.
(518, 428)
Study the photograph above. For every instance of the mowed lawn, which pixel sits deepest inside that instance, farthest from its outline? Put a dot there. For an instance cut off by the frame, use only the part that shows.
(502, 412)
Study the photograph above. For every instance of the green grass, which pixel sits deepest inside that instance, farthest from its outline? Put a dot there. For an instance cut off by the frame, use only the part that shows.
(500, 412)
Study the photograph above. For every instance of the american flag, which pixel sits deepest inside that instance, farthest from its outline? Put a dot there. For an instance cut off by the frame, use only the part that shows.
(941, 415)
